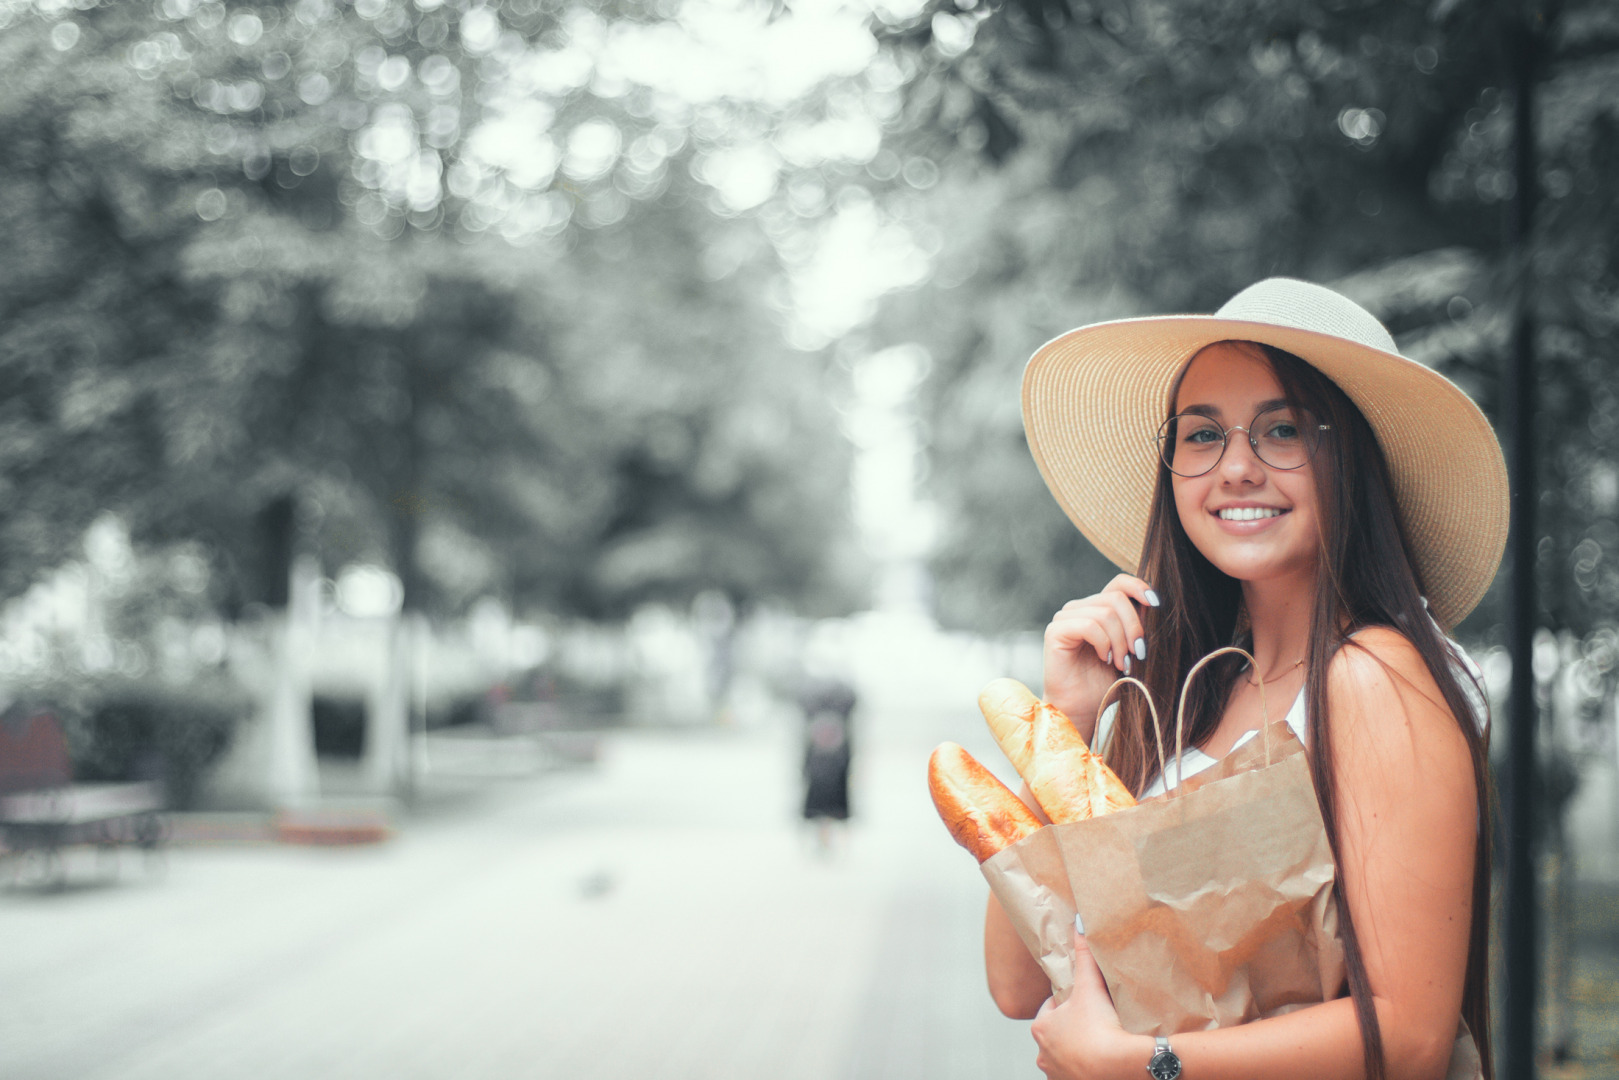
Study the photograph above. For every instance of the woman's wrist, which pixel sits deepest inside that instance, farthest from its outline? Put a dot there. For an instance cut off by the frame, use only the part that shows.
(1080, 710)
(1132, 1056)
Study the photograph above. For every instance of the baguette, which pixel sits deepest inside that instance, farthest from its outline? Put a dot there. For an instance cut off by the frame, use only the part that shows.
(1068, 780)
(980, 811)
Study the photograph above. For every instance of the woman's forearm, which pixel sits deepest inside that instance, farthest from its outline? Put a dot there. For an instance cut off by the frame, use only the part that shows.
(1016, 982)
(1322, 1042)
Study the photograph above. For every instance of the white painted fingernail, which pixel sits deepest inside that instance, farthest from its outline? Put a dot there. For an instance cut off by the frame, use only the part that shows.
(1141, 648)
(1079, 924)
(1127, 665)
(1109, 656)
(1152, 598)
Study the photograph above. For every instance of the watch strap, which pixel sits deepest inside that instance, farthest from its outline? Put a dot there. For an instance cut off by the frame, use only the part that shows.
(1165, 1063)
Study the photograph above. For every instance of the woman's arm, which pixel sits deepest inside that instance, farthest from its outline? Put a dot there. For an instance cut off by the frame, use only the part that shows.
(1016, 982)
(1088, 644)
(1407, 820)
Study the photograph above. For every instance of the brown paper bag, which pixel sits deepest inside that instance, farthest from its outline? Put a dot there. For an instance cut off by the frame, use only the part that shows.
(1200, 912)
(1208, 906)
(1212, 906)
(1205, 907)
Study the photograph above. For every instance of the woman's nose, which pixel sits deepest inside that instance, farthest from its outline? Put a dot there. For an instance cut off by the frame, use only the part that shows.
(1240, 462)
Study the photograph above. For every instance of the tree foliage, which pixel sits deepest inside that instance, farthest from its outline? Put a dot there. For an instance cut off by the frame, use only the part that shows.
(1122, 157)
(410, 282)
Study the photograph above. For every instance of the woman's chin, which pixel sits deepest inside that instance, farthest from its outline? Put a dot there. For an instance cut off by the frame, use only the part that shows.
(1256, 563)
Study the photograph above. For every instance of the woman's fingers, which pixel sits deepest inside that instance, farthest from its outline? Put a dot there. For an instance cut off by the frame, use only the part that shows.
(1117, 609)
(1129, 595)
(1041, 1030)
(1097, 625)
(1087, 975)
(1129, 585)
(1069, 1034)
(1135, 588)
(1130, 621)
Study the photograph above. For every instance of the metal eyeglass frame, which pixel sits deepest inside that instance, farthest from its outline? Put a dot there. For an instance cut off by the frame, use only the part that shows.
(1225, 442)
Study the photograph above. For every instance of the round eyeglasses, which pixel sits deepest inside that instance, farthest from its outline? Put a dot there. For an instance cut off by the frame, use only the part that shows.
(1282, 437)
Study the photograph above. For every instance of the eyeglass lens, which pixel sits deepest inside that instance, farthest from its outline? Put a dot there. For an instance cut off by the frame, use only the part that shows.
(1283, 438)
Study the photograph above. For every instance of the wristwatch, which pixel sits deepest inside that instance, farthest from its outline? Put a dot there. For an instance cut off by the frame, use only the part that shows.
(1164, 1064)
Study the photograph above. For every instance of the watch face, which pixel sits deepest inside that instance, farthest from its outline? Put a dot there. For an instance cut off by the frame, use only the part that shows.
(1164, 1066)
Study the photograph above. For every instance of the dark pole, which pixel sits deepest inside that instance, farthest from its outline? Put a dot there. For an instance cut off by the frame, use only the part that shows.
(1520, 955)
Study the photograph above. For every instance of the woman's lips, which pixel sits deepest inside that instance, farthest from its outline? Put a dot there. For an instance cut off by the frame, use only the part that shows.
(1262, 517)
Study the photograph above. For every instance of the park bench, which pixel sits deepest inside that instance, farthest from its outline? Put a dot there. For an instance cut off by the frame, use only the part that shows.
(42, 811)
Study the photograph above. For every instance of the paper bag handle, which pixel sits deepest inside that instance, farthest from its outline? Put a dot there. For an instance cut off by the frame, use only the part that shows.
(1180, 712)
(1112, 732)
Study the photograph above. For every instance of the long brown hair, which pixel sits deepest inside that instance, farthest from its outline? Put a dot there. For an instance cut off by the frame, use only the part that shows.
(1364, 577)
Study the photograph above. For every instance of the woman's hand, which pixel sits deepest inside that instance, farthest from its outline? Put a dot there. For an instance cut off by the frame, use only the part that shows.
(1090, 643)
(1081, 1039)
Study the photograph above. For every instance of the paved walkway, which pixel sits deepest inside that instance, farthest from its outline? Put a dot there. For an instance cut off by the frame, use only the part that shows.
(661, 916)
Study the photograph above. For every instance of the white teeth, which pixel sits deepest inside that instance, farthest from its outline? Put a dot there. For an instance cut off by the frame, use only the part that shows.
(1248, 513)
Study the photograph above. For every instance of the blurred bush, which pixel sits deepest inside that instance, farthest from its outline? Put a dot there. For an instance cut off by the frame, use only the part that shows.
(123, 729)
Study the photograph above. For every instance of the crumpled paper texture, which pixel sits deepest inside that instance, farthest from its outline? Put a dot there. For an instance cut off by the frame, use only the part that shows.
(1209, 906)
(1206, 907)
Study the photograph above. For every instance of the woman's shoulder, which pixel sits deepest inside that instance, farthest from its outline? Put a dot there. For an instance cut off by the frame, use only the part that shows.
(1377, 668)
(1382, 644)
(1391, 726)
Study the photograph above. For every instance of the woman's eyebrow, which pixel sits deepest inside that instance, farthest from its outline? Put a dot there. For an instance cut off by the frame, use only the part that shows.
(1213, 411)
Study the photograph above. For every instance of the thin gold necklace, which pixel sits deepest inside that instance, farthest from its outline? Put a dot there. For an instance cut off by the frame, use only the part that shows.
(1273, 678)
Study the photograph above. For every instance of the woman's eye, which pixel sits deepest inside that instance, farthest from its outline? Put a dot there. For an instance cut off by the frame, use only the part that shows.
(1283, 432)
(1202, 436)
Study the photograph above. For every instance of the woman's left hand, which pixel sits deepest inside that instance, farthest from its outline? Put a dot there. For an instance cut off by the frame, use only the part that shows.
(1081, 1039)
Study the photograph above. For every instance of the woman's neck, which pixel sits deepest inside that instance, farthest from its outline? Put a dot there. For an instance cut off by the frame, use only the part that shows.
(1279, 612)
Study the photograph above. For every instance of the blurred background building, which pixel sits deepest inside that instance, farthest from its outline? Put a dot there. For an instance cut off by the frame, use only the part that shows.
(412, 407)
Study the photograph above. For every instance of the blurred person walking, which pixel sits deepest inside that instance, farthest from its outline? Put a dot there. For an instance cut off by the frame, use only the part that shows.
(828, 707)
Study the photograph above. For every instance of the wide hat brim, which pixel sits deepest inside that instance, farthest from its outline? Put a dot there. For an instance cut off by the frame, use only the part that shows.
(1094, 398)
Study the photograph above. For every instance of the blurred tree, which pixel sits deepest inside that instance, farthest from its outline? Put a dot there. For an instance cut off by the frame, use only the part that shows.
(89, 301)
(1120, 157)
(416, 283)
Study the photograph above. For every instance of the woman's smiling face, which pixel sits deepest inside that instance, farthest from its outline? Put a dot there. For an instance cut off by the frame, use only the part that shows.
(1253, 522)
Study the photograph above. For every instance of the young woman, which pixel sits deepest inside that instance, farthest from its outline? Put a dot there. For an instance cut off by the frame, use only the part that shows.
(1322, 501)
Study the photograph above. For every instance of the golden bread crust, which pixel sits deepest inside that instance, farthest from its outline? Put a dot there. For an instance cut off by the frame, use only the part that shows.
(1009, 709)
(1068, 781)
(980, 811)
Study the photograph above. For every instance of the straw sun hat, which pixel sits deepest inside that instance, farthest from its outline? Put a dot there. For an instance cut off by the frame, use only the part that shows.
(1093, 400)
